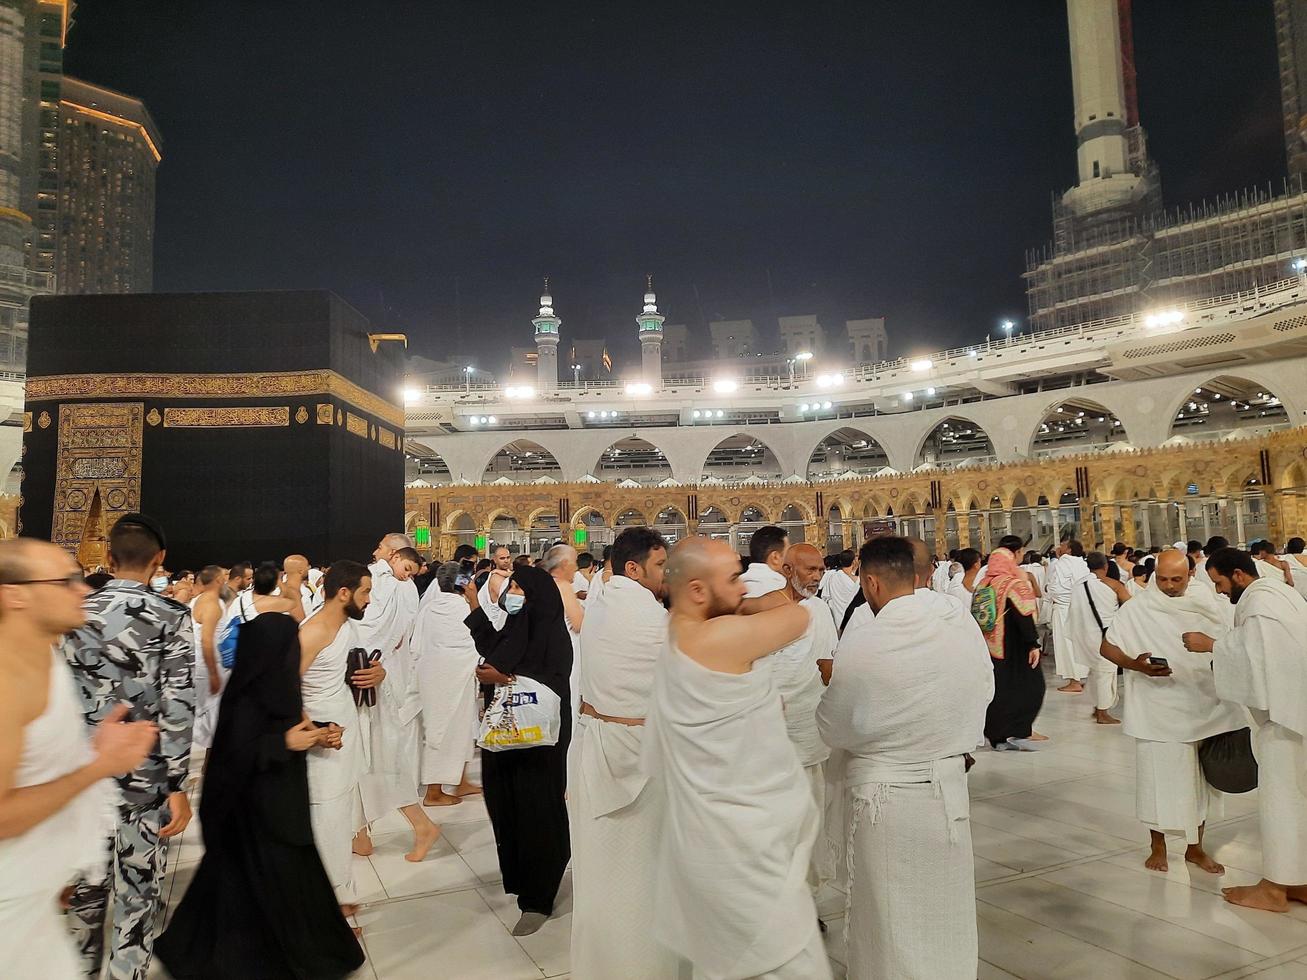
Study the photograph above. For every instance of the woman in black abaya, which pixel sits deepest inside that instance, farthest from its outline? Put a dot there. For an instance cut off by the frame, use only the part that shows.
(525, 788)
(260, 905)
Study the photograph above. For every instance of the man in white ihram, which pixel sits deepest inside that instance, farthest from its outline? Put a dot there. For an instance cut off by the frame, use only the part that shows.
(731, 894)
(1262, 664)
(1065, 575)
(615, 809)
(1170, 707)
(391, 729)
(1090, 611)
(795, 668)
(53, 792)
(906, 701)
(334, 769)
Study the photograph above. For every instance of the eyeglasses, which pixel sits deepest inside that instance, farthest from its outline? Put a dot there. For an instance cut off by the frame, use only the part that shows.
(72, 580)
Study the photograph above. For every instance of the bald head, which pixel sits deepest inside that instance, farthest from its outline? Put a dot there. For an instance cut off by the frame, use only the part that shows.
(295, 565)
(391, 543)
(922, 566)
(804, 566)
(703, 578)
(1172, 572)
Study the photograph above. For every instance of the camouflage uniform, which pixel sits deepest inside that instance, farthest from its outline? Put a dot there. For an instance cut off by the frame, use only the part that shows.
(136, 647)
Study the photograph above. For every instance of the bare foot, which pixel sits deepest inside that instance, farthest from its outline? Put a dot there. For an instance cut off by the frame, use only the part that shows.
(467, 789)
(423, 838)
(1195, 855)
(1157, 859)
(1103, 718)
(1298, 893)
(349, 910)
(1263, 895)
(1071, 687)
(438, 797)
(362, 843)
(1036, 737)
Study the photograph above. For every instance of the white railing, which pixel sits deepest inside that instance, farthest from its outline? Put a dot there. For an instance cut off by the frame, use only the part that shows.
(1259, 298)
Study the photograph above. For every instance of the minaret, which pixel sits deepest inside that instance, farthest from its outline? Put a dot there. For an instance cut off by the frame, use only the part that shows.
(546, 325)
(650, 322)
(1111, 156)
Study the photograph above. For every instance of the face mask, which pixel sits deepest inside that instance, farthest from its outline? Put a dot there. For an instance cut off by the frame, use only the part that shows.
(513, 603)
(159, 583)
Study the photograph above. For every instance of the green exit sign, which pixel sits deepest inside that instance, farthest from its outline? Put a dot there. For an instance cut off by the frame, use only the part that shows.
(422, 536)
(579, 536)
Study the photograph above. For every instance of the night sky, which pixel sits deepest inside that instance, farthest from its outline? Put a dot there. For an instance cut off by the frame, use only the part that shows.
(430, 161)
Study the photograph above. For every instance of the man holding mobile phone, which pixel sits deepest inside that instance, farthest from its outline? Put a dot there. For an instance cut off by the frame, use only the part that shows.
(1172, 704)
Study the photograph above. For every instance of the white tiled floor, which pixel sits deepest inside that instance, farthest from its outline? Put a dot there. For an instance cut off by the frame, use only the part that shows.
(1061, 887)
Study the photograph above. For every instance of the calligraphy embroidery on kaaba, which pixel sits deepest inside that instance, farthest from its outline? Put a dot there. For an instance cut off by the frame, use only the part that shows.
(356, 424)
(221, 418)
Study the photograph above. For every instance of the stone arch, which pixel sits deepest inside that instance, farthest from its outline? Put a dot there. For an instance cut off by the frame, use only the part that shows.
(958, 430)
(1072, 413)
(450, 523)
(550, 510)
(649, 463)
(410, 521)
(1232, 387)
(769, 465)
(522, 460)
(627, 517)
(804, 510)
(1293, 476)
(581, 512)
(759, 506)
(861, 452)
(498, 512)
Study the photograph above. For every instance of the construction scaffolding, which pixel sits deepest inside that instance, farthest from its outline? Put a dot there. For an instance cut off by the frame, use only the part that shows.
(1127, 264)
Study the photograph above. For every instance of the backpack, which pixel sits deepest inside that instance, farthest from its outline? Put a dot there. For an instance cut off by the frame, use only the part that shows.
(228, 633)
(984, 608)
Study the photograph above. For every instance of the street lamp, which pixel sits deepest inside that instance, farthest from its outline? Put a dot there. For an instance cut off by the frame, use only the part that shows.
(1007, 329)
(576, 375)
(803, 357)
(467, 374)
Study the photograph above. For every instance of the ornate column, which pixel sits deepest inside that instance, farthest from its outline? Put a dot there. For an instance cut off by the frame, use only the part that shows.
(815, 534)
(1128, 526)
(963, 520)
(1107, 518)
(1239, 541)
(941, 538)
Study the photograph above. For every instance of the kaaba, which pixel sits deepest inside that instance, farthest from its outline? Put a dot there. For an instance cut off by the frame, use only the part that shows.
(251, 425)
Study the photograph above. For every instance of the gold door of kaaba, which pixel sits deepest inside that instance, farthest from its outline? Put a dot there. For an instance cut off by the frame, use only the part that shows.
(97, 474)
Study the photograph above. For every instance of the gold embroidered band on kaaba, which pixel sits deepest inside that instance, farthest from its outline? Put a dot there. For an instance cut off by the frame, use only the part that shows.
(280, 384)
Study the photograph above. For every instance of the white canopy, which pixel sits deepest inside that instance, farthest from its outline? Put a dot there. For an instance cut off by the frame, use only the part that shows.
(502, 481)
(544, 479)
(671, 481)
(629, 484)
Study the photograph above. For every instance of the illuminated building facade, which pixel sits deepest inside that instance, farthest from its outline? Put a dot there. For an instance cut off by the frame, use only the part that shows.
(108, 154)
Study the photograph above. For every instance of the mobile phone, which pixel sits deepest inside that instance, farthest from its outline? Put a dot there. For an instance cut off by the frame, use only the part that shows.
(462, 580)
(1159, 661)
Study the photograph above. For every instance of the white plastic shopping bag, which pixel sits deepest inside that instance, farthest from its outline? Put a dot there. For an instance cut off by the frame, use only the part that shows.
(523, 714)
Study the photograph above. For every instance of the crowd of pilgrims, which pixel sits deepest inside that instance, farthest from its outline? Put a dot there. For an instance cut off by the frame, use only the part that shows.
(730, 735)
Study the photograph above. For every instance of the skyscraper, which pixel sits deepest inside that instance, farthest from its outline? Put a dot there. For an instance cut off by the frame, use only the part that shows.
(1291, 44)
(108, 153)
(31, 33)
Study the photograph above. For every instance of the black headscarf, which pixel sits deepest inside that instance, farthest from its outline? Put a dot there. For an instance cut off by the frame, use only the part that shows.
(535, 641)
(259, 704)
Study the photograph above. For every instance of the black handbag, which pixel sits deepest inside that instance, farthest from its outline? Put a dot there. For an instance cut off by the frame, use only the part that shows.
(359, 659)
(1228, 761)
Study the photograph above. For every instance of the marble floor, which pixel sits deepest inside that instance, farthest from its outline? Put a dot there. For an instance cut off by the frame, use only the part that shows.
(1061, 887)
